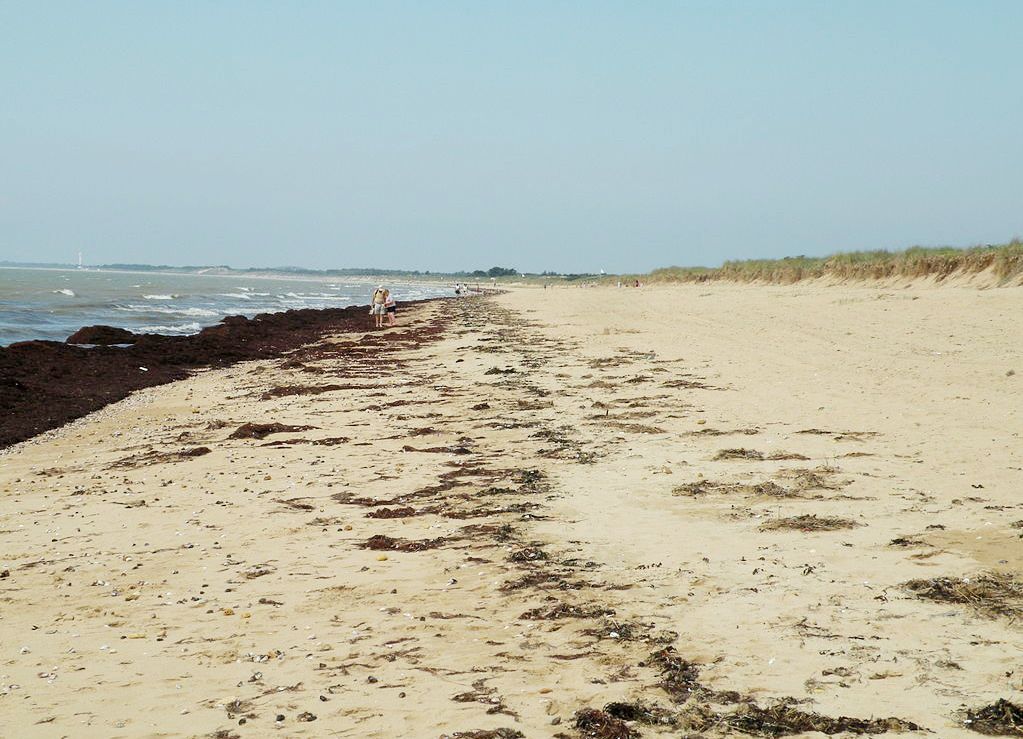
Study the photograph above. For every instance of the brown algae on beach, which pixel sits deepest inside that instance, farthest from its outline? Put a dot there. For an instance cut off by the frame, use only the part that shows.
(989, 593)
(1001, 718)
(809, 522)
(516, 553)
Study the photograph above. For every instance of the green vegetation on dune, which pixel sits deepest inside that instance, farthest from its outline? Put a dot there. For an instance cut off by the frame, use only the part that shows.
(1004, 262)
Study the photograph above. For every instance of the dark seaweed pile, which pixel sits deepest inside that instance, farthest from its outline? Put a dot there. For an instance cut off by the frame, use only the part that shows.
(45, 384)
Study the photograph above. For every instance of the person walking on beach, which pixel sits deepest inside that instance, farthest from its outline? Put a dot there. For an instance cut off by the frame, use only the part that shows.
(376, 308)
(391, 307)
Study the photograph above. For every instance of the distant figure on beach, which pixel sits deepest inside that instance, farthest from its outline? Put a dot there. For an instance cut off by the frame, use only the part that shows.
(458, 288)
(376, 308)
(391, 306)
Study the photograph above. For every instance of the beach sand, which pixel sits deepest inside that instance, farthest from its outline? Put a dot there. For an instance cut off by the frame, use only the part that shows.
(697, 501)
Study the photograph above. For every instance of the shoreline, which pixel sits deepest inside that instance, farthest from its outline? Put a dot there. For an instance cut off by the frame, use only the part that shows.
(45, 384)
(259, 275)
(643, 513)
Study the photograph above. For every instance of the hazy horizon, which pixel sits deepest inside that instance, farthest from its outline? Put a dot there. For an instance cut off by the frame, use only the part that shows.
(369, 271)
(569, 137)
(284, 269)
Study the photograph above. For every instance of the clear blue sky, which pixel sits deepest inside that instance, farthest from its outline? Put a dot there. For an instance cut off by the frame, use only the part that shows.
(572, 136)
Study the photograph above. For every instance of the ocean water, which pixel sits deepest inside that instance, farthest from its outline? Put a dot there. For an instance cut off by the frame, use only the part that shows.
(54, 303)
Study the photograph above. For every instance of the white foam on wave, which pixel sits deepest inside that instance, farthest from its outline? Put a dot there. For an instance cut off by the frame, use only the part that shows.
(192, 312)
(313, 296)
(160, 297)
(184, 328)
(65, 291)
(244, 296)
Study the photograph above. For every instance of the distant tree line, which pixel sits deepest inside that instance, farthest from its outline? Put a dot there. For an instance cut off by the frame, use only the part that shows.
(496, 272)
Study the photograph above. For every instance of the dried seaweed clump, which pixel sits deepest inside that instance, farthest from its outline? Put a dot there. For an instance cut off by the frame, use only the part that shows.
(809, 522)
(155, 457)
(635, 428)
(486, 734)
(531, 482)
(770, 488)
(537, 579)
(1001, 718)
(816, 479)
(740, 453)
(612, 629)
(262, 430)
(689, 384)
(527, 477)
(288, 390)
(565, 610)
(483, 694)
(680, 678)
(990, 593)
(700, 487)
(704, 487)
(386, 543)
(598, 724)
(399, 512)
(907, 541)
(783, 719)
(528, 554)
(743, 453)
(642, 713)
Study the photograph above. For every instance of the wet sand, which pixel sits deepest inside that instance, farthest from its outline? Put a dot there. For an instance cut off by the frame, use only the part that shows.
(694, 510)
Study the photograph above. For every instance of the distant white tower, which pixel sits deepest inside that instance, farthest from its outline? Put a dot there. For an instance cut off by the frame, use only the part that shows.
(79, 260)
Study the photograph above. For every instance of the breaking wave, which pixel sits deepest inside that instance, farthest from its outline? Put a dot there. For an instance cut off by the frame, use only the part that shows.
(184, 328)
(191, 312)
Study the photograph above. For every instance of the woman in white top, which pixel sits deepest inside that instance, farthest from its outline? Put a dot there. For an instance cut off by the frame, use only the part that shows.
(390, 306)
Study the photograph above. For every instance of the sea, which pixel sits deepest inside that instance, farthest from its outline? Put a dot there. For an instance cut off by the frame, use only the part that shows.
(52, 304)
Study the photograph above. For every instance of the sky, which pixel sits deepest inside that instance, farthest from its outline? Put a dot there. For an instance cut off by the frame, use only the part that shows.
(564, 136)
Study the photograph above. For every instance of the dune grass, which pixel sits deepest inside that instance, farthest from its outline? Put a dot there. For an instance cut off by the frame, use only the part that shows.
(1004, 263)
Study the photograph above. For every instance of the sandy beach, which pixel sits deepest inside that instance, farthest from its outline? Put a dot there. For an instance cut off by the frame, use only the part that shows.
(692, 510)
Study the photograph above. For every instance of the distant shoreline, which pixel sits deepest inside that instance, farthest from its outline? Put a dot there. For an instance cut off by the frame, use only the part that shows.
(47, 384)
(995, 265)
(260, 275)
